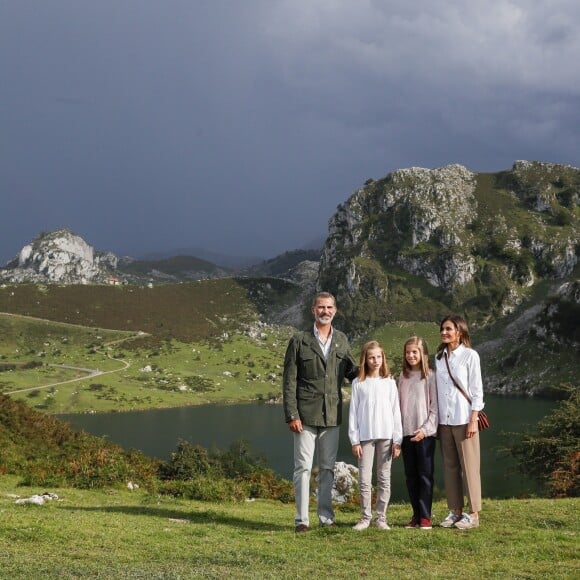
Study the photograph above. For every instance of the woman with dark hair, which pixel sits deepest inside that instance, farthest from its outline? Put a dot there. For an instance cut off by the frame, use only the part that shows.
(457, 362)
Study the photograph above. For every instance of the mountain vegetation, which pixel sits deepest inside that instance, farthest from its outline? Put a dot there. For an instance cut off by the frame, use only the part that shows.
(171, 269)
(86, 331)
(551, 451)
(45, 451)
(420, 242)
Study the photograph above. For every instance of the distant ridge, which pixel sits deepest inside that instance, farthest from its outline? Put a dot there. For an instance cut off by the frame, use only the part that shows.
(222, 260)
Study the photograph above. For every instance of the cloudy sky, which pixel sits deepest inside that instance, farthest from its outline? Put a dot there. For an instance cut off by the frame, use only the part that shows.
(238, 126)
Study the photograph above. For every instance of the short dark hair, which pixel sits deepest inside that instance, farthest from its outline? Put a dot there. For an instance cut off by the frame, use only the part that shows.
(323, 295)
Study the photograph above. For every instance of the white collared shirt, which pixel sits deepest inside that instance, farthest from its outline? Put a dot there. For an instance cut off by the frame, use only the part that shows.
(325, 346)
(465, 367)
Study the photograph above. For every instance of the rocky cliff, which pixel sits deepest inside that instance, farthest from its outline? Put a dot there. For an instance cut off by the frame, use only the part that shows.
(59, 257)
(62, 257)
(421, 242)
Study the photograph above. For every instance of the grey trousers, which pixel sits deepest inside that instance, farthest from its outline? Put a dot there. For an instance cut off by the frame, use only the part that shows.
(381, 449)
(323, 440)
(461, 464)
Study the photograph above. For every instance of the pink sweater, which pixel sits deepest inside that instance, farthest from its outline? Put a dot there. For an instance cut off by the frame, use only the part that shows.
(418, 400)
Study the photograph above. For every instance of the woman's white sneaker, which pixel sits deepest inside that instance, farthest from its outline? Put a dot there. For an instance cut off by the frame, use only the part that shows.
(451, 519)
(467, 522)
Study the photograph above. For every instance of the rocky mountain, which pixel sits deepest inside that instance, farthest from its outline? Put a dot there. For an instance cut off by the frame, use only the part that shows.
(59, 257)
(499, 248)
(422, 242)
(62, 257)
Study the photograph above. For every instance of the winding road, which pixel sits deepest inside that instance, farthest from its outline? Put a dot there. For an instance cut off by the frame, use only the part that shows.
(90, 372)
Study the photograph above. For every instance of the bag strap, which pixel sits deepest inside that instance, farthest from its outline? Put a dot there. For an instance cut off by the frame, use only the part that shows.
(454, 381)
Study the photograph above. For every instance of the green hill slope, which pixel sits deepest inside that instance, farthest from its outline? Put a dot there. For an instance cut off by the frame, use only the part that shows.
(178, 344)
(46, 449)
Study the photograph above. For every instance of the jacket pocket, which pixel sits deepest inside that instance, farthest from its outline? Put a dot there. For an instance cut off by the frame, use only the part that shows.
(308, 394)
(309, 365)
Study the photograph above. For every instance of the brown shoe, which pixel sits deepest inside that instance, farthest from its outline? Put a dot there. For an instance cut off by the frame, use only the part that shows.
(301, 528)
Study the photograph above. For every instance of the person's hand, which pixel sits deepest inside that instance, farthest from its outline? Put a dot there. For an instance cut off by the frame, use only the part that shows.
(295, 425)
(472, 428)
(357, 450)
(419, 436)
(396, 451)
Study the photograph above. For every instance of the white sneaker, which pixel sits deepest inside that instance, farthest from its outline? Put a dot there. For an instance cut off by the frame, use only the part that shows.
(467, 522)
(362, 525)
(382, 524)
(450, 520)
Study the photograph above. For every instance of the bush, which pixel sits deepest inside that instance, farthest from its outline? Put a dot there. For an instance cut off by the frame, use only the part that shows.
(234, 474)
(551, 454)
(189, 462)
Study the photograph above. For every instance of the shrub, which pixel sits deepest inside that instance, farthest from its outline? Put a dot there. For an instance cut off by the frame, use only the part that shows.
(194, 473)
(188, 462)
(550, 454)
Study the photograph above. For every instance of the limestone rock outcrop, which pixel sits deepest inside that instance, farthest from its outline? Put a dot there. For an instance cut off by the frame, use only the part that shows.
(434, 240)
(59, 257)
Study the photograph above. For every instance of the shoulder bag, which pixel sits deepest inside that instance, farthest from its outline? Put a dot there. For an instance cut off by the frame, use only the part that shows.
(482, 418)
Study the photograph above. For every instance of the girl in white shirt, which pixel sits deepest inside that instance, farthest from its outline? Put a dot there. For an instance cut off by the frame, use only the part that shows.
(458, 431)
(418, 396)
(374, 429)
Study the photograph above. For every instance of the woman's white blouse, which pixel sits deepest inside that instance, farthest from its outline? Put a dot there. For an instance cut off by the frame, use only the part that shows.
(374, 411)
(465, 367)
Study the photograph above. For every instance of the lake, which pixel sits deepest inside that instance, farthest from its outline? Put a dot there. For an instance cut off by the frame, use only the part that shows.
(157, 432)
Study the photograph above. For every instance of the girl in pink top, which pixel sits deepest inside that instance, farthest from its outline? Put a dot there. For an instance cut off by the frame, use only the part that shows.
(418, 399)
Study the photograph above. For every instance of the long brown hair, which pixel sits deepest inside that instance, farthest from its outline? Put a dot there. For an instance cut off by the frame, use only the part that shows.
(460, 325)
(420, 343)
(362, 372)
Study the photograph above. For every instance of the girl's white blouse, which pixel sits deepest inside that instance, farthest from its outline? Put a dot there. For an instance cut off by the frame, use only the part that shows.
(374, 411)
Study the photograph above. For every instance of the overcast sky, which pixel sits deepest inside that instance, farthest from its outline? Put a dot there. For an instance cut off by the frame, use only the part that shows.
(239, 125)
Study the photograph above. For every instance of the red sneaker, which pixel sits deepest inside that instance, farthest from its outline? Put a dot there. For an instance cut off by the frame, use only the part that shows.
(413, 523)
(425, 524)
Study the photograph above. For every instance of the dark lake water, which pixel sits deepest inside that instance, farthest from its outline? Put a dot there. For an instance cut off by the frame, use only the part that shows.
(157, 432)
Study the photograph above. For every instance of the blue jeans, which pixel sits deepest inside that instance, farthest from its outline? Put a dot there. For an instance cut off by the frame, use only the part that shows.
(323, 440)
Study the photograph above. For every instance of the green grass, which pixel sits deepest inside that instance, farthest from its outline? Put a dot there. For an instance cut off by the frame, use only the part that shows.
(202, 341)
(185, 311)
(120, 534)
(392, 336)
(230, 368)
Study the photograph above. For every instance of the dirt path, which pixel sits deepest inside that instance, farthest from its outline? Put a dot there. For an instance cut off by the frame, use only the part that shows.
(90, 372)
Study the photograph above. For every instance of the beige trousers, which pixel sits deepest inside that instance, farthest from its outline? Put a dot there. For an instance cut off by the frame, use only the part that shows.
(381, 449)
(460, 467)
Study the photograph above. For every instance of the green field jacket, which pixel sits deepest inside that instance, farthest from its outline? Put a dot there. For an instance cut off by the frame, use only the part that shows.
(312, 386)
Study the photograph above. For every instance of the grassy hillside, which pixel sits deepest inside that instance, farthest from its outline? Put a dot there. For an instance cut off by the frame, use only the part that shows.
(105, 348)
(43, 449)
(122, 534)
(186, 312)
(180, 344)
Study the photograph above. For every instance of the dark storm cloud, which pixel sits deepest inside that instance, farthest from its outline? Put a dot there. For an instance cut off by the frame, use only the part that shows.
(240, 126)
